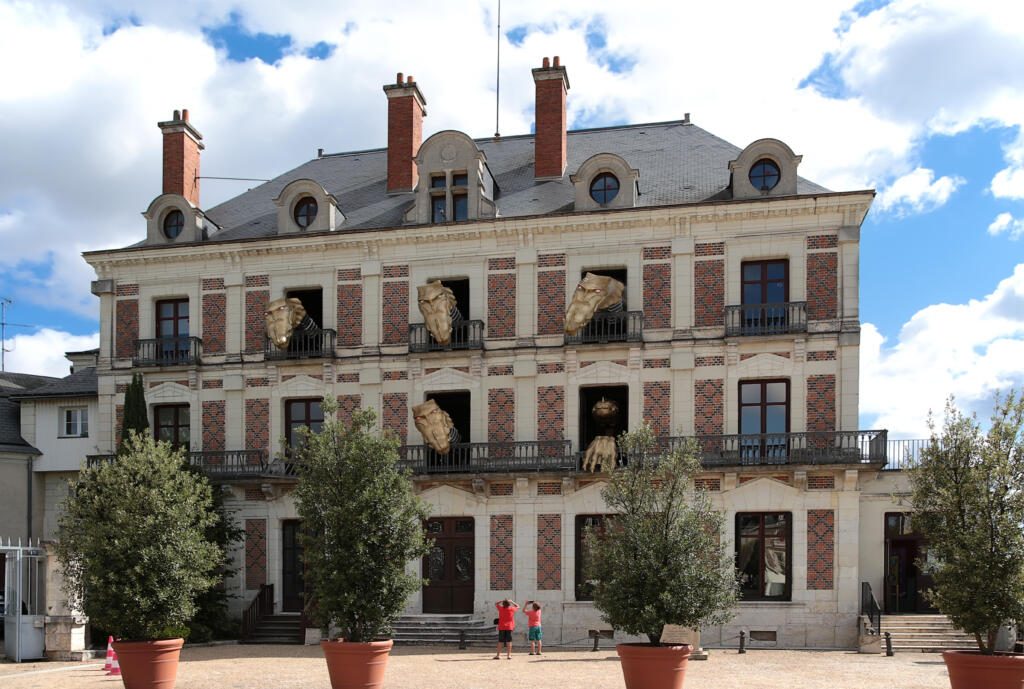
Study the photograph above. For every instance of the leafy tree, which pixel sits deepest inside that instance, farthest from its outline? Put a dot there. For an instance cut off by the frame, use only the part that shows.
(658, 560)
(132, 542)
(362, 525)
(135, 418)
(968, 496)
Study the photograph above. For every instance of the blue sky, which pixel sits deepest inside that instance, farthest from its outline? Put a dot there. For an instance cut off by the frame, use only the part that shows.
(921, 100)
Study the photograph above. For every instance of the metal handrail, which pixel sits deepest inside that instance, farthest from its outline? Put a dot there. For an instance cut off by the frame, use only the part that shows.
(304, 344)
(614, 326)
(766, 319)
(168, 351)
(869, 608)
(260, 606)
(809, 447)
(497, 457)
(465, 335)
(222, 463)
(905, 453)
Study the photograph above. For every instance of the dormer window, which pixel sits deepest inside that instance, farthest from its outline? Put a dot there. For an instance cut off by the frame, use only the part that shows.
(449, 201)
(766, 167)
(604, 188)
(455, 183)
(305, 206)
(764, 175)
(305, 212)
(605, 181)
(174, 223)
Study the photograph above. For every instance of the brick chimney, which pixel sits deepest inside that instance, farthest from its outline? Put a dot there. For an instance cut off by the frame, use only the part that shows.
(406, 110)
(182, 144)
(549, 148)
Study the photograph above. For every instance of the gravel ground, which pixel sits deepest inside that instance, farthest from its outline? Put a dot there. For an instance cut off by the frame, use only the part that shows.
(284, 667)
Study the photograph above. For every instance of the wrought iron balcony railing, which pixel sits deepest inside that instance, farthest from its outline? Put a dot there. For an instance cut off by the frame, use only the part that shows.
(482, 458)
(766, 319)
(620, 326)
(225, 464)
(811, 447)
(305, 344)
(465, 335)
(168, 351)
(905, 453)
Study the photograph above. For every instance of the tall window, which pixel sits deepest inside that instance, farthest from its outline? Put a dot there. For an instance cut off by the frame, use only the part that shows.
(764, 420)
(765, 293)
(763, 555)
(584, 588)
(74, 422)
(171, 423)
(449, 201)
(298, 414)
(172, 330)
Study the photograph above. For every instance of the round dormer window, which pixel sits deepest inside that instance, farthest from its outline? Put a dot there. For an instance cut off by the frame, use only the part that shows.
(764, 175)
(174, 223)
(305, 212)
(604, 187)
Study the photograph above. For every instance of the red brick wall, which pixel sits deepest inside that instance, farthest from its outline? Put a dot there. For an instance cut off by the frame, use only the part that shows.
(127, 327)
(657, 292)
(256, 302)
(395, 310)
(658, 406)
(549, 552)
(828, 355)
(820, 549)
(350, 313)
(821, 482)
(822, 241)
(551, 412)
(501, 489)
(257, 424)
(708, 293)
(702, 361)
(821, 403)
(215, 309)
(405, 133)
(549, 488)
(395, 416)
(213, 425)
(709, 249)
(822, 285)
(347, 404)
(501, 415)
(550, 136)
(501, 302)
(708, 406)
(501, 552)
(181, 166)
(708, 484)
(551, 295)
(255, 553)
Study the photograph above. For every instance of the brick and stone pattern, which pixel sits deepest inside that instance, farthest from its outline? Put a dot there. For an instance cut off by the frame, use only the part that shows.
(820, 549)
(555, 367)
(350, 314)
(550, 412)
(658, 406)
(395, 312)
(255, 553)
(551, 294)
(347, 405)
(702, 361)
(501, 552)
(822, 241)
(127, 327)
(549, 552)
(822, 286)
(257, 281)
(709, 407)
(501, 415)
(709, 293)
(256, 302)
(257, 424)
(549, 488)
(118, 423)
(126, 289)
(657, 295)
(215, 313)
(821, 482)
(395, 416)
(500, 370)
(828, 355)
(821, 403)
(711, 485)
(709, 249)
(501, 305)
(213, 425)
(656, 363)
(500, 489)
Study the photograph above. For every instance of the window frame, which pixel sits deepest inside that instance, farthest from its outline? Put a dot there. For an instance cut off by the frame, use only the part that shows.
(763, 281)
(764, 160)
(82, 422)
(291, 426)
(173, 213)
(176, 319)
(176, 425)
(787, 594)
(763, 403)
(444, 186)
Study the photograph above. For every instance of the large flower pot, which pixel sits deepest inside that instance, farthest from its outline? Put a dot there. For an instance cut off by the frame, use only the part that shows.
(973, 670)
(653, 667)
(356, 665)
(148, 664)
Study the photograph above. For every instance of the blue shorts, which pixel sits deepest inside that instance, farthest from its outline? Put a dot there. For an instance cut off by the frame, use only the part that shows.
(535, 634)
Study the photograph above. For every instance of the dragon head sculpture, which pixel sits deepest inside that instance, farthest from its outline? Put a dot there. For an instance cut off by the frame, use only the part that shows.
(436, 303)
(605, 412)
(434, 425)
(282, 317)
(594, 293)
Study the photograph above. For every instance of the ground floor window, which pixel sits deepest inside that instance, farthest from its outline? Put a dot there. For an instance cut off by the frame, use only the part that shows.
(585, 588)
(763, 555)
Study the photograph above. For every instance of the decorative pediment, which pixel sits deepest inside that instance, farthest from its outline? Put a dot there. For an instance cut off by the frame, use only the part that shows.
(765, 365)
(764, 493)
(602, 372)
(447, 498)
(302, 385)
(450, 379)
(168, 392)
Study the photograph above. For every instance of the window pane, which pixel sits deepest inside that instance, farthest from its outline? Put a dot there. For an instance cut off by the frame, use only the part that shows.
(165, 415)
(751, 271)
(750, 420)
(461, 206)
(776, 270)
(752, 294)
(437, 182)
(315, 412)
(297, 411)
(183, 416)
(749, 524)
(775, 567)
(183, 309)
(83, 423)
(775, 293)
(748, 562)
(774, 524)
(775, 419)
(438, 209)
(166, 309)
(776, 392)
(750, 393)
(460, 180)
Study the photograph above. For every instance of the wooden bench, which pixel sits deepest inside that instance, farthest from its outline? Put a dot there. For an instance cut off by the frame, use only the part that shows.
(598, 634)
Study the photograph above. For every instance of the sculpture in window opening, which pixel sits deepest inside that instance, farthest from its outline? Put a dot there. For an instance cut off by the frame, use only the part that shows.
(440, 310)
(600, 454)
(594, 293)
(435, 425)
(284, 317)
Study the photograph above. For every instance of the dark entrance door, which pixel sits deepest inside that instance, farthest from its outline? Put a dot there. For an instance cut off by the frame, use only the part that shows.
(291, 567)
(449, 566)
(905, 583)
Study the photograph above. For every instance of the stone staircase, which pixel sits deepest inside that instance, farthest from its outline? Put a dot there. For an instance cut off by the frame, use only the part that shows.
(443, 629)
(278, 629)
(925, 634)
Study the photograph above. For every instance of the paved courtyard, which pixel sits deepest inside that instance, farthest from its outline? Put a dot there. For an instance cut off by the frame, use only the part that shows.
(281, 667)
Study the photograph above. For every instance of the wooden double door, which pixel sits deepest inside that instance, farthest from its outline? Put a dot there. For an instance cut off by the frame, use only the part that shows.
(449, 565)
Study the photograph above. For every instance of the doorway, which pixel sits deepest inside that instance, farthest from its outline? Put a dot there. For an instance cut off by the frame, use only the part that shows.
(449, 565)
(292, 586)
(905, 583)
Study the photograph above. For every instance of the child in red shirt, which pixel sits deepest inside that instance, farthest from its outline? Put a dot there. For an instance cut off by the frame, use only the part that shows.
(506, 625)
(535, 634)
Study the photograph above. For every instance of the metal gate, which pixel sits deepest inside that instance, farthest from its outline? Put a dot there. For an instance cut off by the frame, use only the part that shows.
(22, 604)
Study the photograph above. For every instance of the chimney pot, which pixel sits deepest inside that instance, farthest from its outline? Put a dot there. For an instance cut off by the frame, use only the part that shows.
(184, 114)
(410, 80)
(545, 63)
(400, 78)
(558, 63)
(177, 115)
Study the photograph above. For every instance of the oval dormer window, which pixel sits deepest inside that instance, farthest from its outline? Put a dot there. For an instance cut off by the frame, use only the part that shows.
(604, 188)
(174, 223)
(305, 212)
(764, 175)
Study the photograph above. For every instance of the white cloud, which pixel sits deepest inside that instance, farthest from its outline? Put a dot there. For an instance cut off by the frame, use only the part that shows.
(968, 350)
(42, 352)
(1008, 183)
(1006, 223)
(917, 192)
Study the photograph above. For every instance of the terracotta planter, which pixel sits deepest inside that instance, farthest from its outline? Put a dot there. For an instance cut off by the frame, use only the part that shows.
(149, 664)
(356, 665)
(653, 667)
(972, 670)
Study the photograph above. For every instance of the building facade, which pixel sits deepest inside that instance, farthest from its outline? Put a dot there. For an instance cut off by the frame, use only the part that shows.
(738, 325)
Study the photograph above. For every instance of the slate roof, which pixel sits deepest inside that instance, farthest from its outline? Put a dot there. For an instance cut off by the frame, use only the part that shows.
(81, 383)
(678, 163)
(12, 384)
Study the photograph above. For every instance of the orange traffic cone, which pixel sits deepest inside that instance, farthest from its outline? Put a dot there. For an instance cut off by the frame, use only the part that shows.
(115, 667)
(110, 654)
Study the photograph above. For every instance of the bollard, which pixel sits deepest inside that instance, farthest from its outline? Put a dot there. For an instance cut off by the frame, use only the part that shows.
(743, 641)
(888, 645)
(462, 639)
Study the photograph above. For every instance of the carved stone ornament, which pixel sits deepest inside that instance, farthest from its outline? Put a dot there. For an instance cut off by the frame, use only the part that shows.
(439, 308)
(434, 425)
(594, 293)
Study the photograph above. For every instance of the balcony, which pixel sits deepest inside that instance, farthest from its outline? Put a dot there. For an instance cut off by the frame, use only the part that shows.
(305, 344)
(604, 327)
(465, 335)
(766, 319)
(768, 449)
(485, 458)
(168, 351)
(227, 464)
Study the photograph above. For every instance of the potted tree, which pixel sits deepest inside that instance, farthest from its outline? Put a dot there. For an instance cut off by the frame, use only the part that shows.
(968, 498)
(362, 526)
(659, 559)
(135, 554)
